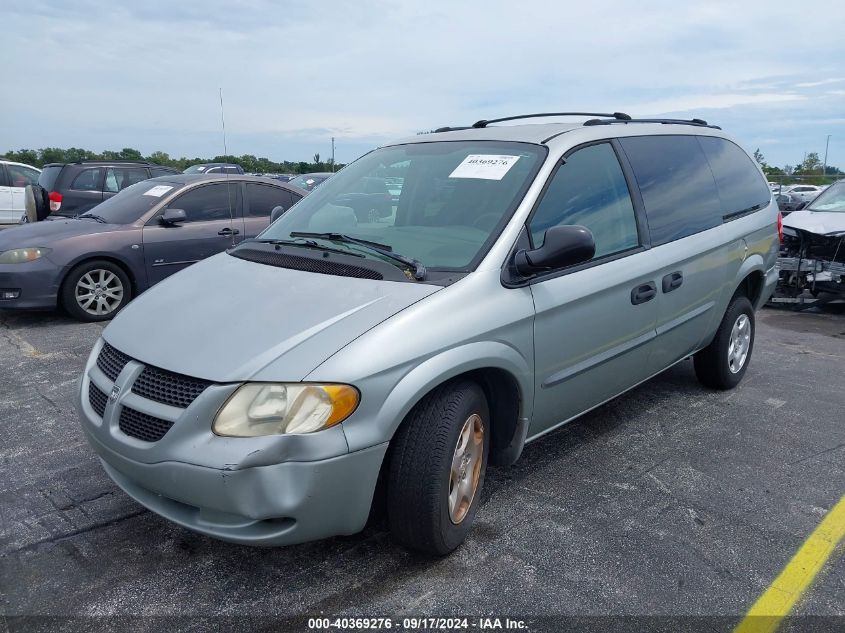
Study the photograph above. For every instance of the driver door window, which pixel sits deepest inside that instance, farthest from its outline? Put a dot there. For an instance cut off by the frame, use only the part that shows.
(589, 189)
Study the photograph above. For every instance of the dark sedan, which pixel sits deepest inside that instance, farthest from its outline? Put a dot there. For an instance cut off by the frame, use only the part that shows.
(92, 265)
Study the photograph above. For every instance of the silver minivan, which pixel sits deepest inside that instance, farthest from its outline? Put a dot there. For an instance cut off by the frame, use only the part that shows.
(373, 349)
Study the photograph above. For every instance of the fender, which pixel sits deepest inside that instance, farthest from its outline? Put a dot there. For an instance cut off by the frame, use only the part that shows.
(753, 263)
(382, 420)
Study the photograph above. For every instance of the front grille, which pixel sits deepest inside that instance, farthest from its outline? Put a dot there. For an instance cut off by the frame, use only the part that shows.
(142, 426)
(295, 262)
(97, 399)
(111, 362)
(168, 388)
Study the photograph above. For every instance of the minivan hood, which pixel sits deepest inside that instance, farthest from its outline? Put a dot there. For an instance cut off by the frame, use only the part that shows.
(49, 231)
(228, 320)
(819, 222)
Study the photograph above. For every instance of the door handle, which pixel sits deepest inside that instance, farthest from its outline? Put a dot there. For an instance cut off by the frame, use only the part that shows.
(643, 293)
(228, 232)
(672, 281)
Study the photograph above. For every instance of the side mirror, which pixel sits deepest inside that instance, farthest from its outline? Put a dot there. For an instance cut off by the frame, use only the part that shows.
(800, 206)
(562, 246)
(171, 217)
(276, 213)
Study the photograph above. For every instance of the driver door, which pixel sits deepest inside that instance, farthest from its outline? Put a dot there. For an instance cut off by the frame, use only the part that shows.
(214, 223)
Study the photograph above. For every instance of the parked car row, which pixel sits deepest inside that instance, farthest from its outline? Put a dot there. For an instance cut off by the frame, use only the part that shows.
(93, 263)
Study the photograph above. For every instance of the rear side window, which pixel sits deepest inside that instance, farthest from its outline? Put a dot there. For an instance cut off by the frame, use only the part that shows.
(210, 202)
(48, 176)
(741, 187)
(20, 176)
(678, 189)
(88, 180)
(119, 178)
(263, 198)
(589, 189)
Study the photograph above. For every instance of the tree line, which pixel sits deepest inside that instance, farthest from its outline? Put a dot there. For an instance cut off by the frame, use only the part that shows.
(810, 171)
(250, 163)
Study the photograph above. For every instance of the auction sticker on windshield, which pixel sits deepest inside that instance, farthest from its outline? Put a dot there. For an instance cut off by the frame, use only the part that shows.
(158, 191)
(485, 166)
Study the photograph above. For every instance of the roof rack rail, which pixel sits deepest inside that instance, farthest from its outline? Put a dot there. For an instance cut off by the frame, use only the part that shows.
(695, 122)
(619, 116)
(108, 160)
(451, 129)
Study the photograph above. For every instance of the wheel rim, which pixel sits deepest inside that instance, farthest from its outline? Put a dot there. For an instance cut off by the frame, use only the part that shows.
(99, 292)
(466, 468)
(739, 344)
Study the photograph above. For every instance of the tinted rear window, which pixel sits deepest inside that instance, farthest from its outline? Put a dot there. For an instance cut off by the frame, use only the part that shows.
(134, 201)
(740, 185)
(678, 189)
(48, 176)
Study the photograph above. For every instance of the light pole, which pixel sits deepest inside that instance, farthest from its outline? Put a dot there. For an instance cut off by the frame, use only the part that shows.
(333, 154)
(824, 167)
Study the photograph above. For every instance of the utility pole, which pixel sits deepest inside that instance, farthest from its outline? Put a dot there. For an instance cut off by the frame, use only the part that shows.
(826, 144)
(333, 153)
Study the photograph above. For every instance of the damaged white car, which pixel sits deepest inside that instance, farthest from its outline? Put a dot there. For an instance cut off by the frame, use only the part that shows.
(812, 256)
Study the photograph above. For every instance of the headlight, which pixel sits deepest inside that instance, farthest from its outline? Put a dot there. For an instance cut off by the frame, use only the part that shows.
(19, 255)
(275, 409)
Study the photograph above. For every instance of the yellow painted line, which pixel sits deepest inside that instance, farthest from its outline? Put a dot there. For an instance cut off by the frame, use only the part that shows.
(776, 603)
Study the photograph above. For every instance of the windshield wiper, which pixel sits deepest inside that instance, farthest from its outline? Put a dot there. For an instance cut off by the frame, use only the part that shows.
(415, 265)
(306, 244)
(93, 216)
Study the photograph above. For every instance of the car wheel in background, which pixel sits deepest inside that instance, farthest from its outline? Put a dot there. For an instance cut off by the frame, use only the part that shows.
(95, 290)
(436, 470)
(722, 364)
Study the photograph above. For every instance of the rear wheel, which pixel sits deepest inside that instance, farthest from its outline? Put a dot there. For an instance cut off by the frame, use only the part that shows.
(723, 363)
(95, 291)
(437, 465)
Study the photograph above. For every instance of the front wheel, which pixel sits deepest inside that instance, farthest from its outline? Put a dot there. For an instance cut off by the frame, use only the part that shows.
(437, 464)
(723, 363)
(95, 291)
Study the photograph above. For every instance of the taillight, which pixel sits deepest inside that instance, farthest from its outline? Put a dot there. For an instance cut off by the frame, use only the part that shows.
(55, 200)
(780, 226)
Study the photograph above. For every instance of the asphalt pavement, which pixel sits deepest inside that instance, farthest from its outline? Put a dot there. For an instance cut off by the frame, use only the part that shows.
(670, 501)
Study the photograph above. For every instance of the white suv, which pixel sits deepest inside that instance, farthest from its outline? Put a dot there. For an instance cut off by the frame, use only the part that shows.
(14, 177)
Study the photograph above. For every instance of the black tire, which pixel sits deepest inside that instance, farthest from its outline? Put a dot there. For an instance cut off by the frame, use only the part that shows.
(36, 203)
(713, 367)
(97, 269)
(419, 476)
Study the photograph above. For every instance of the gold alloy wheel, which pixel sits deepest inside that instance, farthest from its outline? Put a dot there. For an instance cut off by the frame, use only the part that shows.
(466, 468)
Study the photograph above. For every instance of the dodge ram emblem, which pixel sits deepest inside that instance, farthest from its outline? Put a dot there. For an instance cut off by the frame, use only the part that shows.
(115, 392)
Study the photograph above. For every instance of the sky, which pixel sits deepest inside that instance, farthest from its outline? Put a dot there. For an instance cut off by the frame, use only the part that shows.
(147, 75)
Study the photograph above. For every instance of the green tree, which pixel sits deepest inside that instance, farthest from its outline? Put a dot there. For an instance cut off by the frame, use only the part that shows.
(758, 156)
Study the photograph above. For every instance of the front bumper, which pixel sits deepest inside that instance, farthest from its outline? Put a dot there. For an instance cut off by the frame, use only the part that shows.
(273, 490)
(282, 504)
(37, 281)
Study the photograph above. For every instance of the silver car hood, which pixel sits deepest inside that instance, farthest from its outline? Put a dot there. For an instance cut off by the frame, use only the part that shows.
(228, 320)
(818, 222)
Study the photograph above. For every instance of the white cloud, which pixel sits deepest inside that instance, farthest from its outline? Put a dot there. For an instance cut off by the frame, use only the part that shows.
(98, 73)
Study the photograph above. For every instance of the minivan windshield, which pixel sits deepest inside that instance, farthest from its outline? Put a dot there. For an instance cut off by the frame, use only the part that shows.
(831, 199)
(134, 201)
(441, 203)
